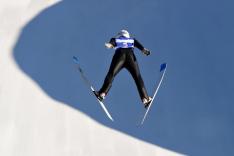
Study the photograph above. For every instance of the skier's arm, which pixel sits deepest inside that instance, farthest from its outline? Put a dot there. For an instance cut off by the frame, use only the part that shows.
(141, 47)
(110, 44)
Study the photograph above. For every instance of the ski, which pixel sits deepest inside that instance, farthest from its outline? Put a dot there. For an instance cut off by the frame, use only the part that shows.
(87, 82)
(162, 71)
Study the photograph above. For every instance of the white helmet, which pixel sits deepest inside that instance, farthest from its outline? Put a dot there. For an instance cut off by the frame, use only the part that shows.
(124, 33)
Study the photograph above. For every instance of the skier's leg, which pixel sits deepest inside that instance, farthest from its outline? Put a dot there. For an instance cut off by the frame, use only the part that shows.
(116, 65)
(133, 68)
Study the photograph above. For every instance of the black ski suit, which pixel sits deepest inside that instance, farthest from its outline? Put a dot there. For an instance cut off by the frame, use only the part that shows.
(125, 58)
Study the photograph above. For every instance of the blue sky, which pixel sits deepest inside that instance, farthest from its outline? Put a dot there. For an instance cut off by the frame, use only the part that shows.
(193, 112)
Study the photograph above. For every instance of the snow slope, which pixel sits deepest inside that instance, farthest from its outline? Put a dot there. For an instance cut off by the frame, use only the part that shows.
(33, 123)
(45, 108)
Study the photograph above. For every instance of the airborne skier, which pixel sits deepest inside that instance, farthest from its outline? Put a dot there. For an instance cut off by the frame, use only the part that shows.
(124, 58)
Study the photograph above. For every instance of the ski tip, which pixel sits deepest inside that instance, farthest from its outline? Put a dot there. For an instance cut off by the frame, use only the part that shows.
(75, 59)
(163, 66)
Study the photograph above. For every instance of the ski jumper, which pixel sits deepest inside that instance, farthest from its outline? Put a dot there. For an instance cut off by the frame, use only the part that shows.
(124, 58)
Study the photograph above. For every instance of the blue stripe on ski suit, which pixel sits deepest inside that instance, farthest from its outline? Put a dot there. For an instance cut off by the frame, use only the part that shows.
(123, 42)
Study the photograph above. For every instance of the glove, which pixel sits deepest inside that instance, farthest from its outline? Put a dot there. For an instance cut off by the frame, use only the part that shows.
(146, 51)
(109, 45)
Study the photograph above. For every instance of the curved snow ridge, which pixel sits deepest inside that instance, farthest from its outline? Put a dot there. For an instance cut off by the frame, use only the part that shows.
(32, 123)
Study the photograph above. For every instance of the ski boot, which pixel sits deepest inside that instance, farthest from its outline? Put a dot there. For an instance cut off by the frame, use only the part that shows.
(100, 96)
(147, 101)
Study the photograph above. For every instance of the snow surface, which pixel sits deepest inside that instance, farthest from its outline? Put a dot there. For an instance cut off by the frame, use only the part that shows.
(46, 109)
(33, 123)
